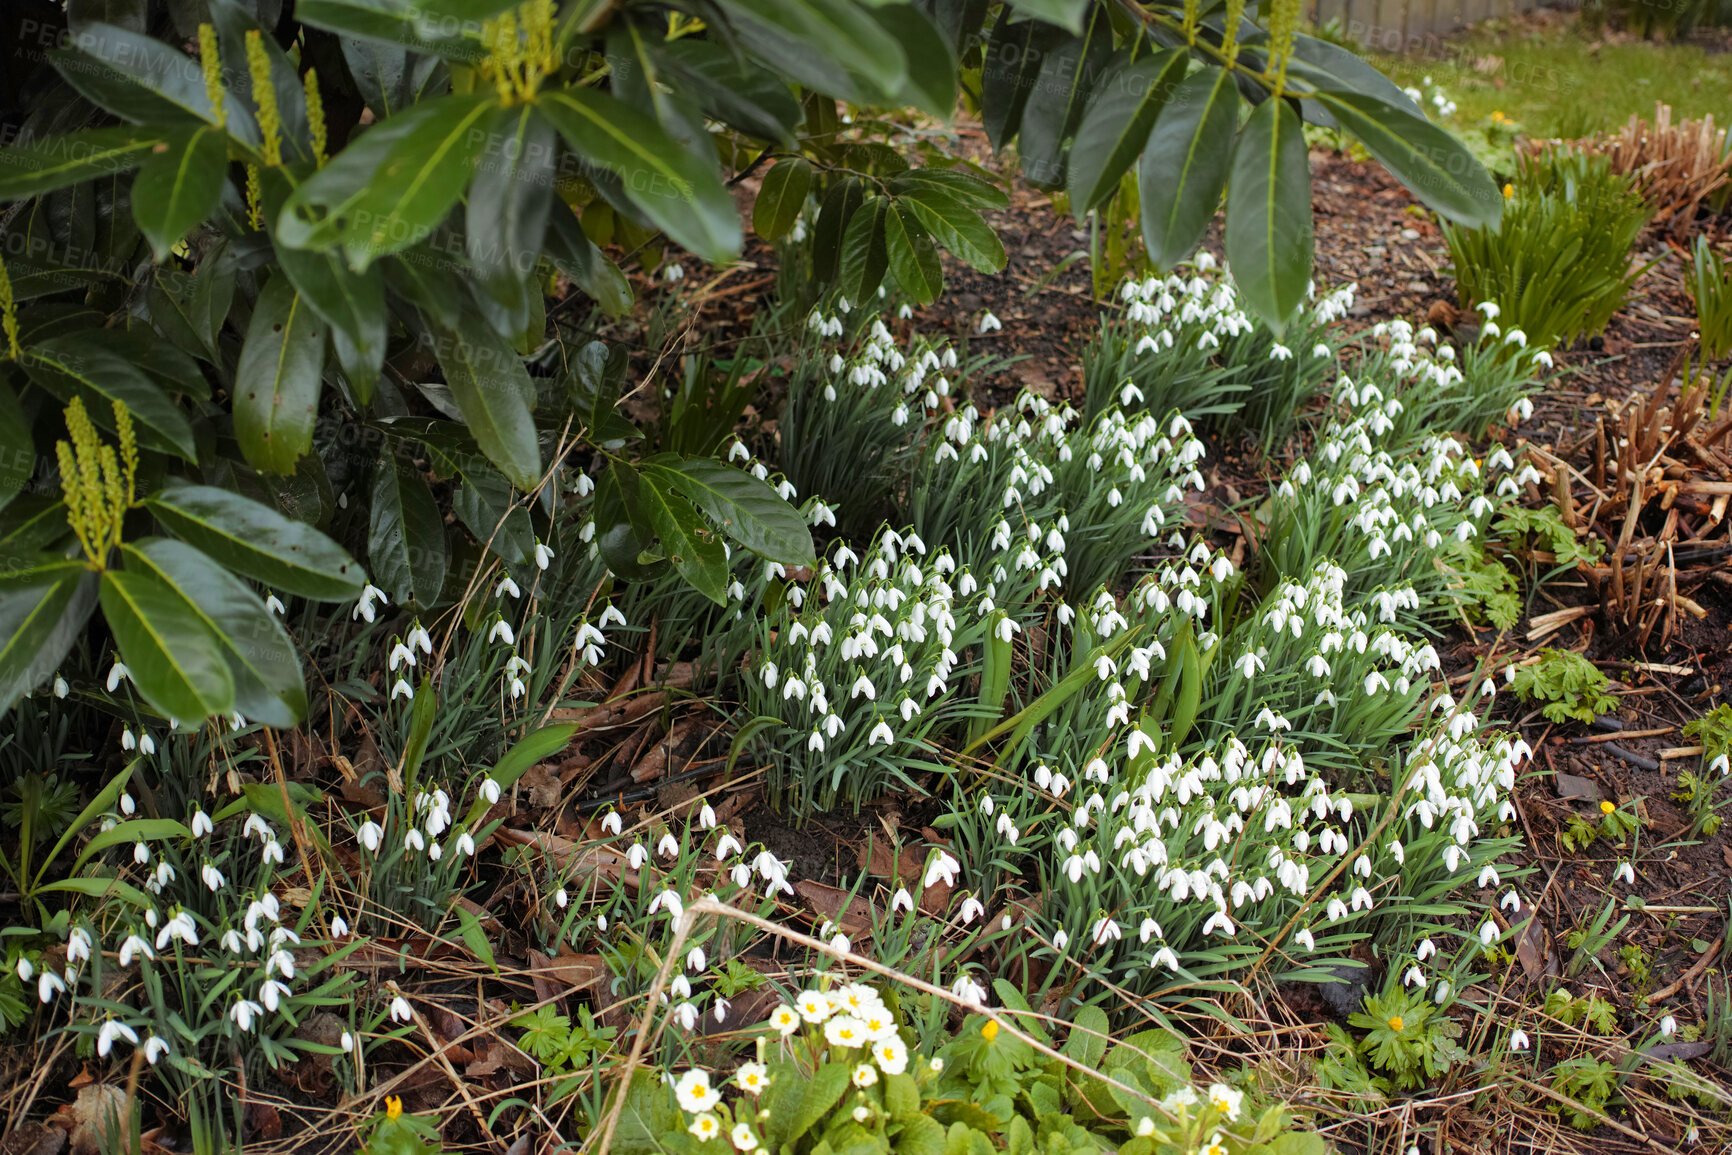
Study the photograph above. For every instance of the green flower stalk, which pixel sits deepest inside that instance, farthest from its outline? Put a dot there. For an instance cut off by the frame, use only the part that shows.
(1283, 26)
(265, 98)
(9, 313)
(1230, 30)
(315, 116)
(211, 61)
(520, 50)
(98, 485)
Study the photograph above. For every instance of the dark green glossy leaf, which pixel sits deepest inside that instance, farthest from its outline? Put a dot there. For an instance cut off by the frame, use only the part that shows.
(352, 303)
(1117, 125)
(593, 381)
(169, 650)
(622, 542)
(931, 83)
(1184, 168)
(1061, 92)
(493, 390)
(277, 382)
(405, 536)
(746, 509)
(162, 362)
(973, 191)
(57, 162)
(144, 80)
(781, 197)
(835, 213)
(1067, 14)
(67, 367)
(393, 184)
(261, 658)
(1435, 167)
(17, 447)
(913, 258)
(42, 612)
(575, 255)
(956, 226)
(398, 23)
(681, 193)
(691, 547)
(1269, 213)
(837, 47)
(1014, 55)
(259, 542)
(506, 217)
(486, 505)
(734, 90)
(864, 256)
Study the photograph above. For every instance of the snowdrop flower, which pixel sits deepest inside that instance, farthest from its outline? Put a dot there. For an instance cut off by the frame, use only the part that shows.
(1625, 873)
(561, 899)
(213, 878)
(115, 673)
(402, 689)
(1488, 932)
(989, 323)
(111, 1030)
(971, 910)
(669, 901)
(501, 633)
(245, 1011)
(370, 834)
(133, 947)
(902, 900)
(941, 866)
(49, 985)
(179, 927)
(155, 1048)
(370, 593)
(339, 927)
(61, 689)
(400, 1012)
(1668, 1026)
(881, 733)
(543, 555)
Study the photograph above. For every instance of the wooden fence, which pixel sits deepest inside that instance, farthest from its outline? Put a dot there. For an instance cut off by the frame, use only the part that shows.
(1405, 25)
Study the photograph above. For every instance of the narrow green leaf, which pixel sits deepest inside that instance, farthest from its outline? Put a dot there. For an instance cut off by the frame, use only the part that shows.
(1117, 125)
(734, 89)
(68, 368)
(622, 531)
(259, 542)
(575, 255)
(405, 536)
(1067, 14)
(145, 80)
(260, 656)
(17, 447)
(494, 392)
(1185, 166)
(485, 504)
(1014, 54)
(392, 186)
(835, 213)
(173, 658)
(971, 190)
(1269, 213)
(47, 164)
(912, 256)
(42, 612)
(831, 46)
(931, 83)
(781, 197)
(679, 192)
(745, 509)
(1061, 92)
(277, 382)
(1435, 167)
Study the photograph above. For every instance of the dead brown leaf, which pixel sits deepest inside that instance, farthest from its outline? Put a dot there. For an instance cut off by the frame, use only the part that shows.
(831, 903)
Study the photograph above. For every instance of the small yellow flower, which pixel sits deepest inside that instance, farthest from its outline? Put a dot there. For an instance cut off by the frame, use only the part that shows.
(1607, 807)
(990, 1031)
(1508, 191)
(1395, 1023)
(393, 1106)
(1496, 115)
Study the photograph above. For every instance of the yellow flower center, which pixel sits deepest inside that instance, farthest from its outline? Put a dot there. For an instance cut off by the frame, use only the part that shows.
(990, 1031)
(1395, 1023)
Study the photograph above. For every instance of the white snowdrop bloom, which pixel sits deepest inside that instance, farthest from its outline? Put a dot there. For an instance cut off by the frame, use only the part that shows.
(48, 985)
(134, 947)
(400, 1012)
(1164, 957)
(637, 855)
(1060, 940)
(111, 1030)
(971, 909)
(1441, 994)
(669, 846)
(1488, 932)
(989, 323)
(1518, 1040)
(1668, 1026)
(941, 866)
(881, 733)
(902, 900)
(364, 608)
(669, 901)
(245, 1011)
(1625, 873)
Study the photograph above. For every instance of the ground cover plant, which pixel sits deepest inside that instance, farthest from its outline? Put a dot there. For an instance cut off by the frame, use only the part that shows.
(446, 771)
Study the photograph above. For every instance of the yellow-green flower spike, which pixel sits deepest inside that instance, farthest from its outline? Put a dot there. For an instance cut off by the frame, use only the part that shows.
(8, 313)
(519, 50)
(1193, 14)
(265, 97)
(1283, 26)
(212, 62)
(255, 198)
(315, 115)
(97, 484)
(1230, 41)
